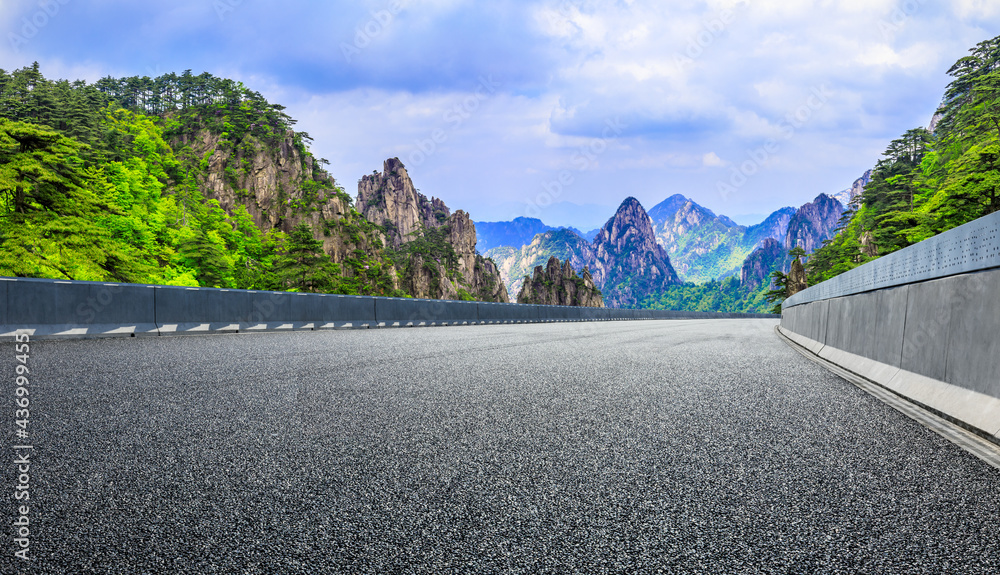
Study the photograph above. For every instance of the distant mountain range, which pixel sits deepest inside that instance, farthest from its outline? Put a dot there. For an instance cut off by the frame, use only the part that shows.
(700, 246)
(625, 260)
(517, 232)
(703, 246)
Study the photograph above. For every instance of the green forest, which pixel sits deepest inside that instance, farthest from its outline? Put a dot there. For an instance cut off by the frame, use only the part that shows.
(101, 182)
(928, 182)
(727, 296)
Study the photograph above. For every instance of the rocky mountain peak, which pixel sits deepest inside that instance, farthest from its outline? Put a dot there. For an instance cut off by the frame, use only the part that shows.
(390, 200)
(814, 223)
(445, 264)
(666, 209)
(629, 262)
(630, 221)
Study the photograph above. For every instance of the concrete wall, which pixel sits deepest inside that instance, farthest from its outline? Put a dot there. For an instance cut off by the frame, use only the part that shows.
(934, 341)
(52, 308)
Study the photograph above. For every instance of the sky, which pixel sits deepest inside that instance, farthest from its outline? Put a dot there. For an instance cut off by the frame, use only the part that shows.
(555, 109)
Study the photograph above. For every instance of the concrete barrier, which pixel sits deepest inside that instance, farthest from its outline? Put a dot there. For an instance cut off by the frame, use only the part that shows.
(405, 312)
(331, 311)
(507, 313)
(53, 308)
(931, 338)
(181, 310)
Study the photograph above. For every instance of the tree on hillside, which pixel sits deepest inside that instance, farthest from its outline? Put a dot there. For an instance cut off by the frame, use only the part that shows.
(778, 292)
(302, 265)
(49, 212)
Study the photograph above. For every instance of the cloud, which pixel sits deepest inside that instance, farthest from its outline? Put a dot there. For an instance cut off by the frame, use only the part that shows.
(711, 160)
(375, 78)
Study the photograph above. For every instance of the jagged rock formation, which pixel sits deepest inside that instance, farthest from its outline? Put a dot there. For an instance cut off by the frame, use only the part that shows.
(280, 186)
(868, 247)
(558, 284)
(814, 223)
(390, 200)
(796, 278)
(439, 248)
(758, 266)
(629, 263)
(563, 244)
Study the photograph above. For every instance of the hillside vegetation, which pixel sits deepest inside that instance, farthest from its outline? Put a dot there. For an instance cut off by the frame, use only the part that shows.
(929, 181)
(112, 182)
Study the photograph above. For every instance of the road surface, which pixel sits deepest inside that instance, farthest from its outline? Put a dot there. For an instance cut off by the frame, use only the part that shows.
(617, 447)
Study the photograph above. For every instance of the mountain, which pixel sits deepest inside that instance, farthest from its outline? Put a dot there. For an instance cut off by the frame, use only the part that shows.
(624, 259)
(629, 263)
(757, 268)
(558, 284)
(814, 223)
(179, 180)
(436, 249)
(775, 227)
(516, 263)
(703, 246)
(809, 226)
(515, 233)
(666, 209)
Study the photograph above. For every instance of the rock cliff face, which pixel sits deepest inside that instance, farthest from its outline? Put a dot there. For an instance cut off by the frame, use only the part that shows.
(814, 223)
(628, 262)
(796, 278)
(758, 266)
(438, 247)
(279, 187)
(390, 200)
(559, 285)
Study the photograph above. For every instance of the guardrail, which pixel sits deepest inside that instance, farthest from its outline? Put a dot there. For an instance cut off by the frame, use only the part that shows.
(55, 308)
(922, 322)
(968, 248)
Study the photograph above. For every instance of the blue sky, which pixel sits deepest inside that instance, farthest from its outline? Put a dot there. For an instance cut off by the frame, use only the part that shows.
(557, 109)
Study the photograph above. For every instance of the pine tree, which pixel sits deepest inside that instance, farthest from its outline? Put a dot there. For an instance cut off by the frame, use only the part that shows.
(302, 265)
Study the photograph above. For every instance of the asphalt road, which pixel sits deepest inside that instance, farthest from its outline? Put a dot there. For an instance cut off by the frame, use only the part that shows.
(623, 447)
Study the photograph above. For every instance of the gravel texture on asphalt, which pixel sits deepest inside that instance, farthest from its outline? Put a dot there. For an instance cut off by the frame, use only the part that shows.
(618, 447)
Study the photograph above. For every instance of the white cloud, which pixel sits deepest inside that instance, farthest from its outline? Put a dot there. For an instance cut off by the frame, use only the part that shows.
(567, 68)
(711, 160)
